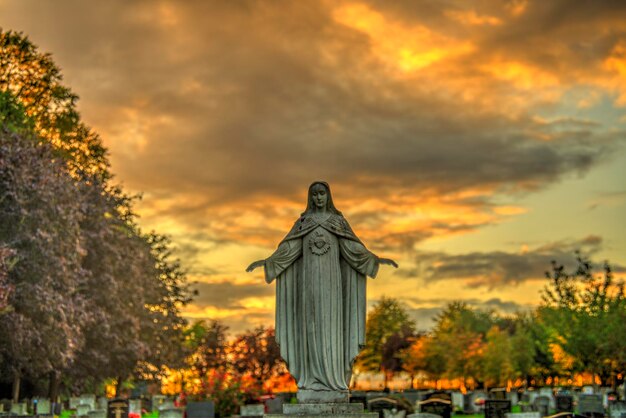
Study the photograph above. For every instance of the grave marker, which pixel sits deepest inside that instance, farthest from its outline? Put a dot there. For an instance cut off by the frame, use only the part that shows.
(252, 410)
(381, 404)
(117, 408)
(134, 406)
(436, 406)
(423, 415)
(97, 413)
(591, 406)
(203, 410)
(564, 403)
(42, 406)
(542, 405)
(171, 413)
(533, 414)
(496, 408)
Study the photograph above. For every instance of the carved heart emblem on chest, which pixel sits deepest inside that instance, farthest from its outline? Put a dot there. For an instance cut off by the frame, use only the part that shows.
(319, 244)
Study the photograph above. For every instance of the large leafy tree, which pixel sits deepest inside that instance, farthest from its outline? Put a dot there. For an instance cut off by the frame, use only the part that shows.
(35, 81)
(96, 294)
(257, 355)
(459, 338)
(586, 308)
(208, 345)
(388, 332)
(40, 212)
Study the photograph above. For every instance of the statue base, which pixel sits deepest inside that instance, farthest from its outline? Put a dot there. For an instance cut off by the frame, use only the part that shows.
(317, 410)
(312, 396)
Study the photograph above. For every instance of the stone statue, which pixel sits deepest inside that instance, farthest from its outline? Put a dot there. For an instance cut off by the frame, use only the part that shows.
(320, 269)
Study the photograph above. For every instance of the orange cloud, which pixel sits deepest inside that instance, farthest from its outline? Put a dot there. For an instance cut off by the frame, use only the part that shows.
(407, 48)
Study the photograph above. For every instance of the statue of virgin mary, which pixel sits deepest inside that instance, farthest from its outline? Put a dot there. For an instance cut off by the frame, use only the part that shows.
(320, 269)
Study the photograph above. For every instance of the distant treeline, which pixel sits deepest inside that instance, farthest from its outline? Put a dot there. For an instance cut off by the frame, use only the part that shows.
(578, 329)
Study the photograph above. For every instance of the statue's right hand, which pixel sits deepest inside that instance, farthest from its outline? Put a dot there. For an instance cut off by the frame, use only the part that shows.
(258, 263)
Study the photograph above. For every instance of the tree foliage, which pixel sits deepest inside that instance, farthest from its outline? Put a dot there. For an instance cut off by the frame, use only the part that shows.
(586, 310)
(389, 331)
(88, 295)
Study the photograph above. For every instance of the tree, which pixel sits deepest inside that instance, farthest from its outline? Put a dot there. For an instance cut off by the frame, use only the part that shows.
(585, 308)
(524, 348)
(497, 359)
(6, 288)
(459, 336)
(35, 81)
(208, 346)
(91, 295)
(388, 331)
(414, 358)
(257, 355)
(40, 212)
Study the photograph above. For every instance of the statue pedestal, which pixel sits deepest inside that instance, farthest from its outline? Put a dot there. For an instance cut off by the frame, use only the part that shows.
(318, 410)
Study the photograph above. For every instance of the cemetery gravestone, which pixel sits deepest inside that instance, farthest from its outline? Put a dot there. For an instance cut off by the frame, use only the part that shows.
(591, 406)
(457, 400)
(117, 408)
(97, 413)
(617, 409)
(157, 400)
(380, 404)
(564, 403)
(274, 406)
(102, 403)
(171, 413)
(18, 408)
(412, 396)
(496, 408)
(88, 399)
(42, 407)
(82, 409)
(74, 402)
(533, 414)
(474, 402)
(436, 406)
(439, 394)
(203, 410)
(253, 410)
(542, 405)
(498, 394)
(393, 413)
(423, 415)
(167, 404)
(134, 406)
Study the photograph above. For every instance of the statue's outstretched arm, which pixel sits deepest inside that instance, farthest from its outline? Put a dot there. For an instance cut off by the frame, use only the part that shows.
(258, 263)
(387, 261)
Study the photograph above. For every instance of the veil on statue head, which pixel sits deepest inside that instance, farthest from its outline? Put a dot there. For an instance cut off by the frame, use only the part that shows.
(330, 206)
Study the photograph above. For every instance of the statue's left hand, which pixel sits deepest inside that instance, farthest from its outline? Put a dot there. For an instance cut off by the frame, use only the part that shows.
(388, 261)
(258, 263)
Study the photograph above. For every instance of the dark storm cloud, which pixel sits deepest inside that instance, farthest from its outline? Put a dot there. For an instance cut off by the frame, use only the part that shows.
(246, 99)
(498, 269)
(227, 295)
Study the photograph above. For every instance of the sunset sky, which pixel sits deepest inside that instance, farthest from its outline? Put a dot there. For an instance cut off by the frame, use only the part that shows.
(473, 142)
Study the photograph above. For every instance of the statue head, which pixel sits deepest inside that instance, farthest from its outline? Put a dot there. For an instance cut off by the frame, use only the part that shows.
(319, 194)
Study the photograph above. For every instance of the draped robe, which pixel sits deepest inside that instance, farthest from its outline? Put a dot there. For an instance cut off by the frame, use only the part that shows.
(320, 269)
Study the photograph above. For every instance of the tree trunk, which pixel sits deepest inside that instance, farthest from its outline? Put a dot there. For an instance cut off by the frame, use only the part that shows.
(386, 379)
(17, 379)
(118, 386)
(53, 386)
